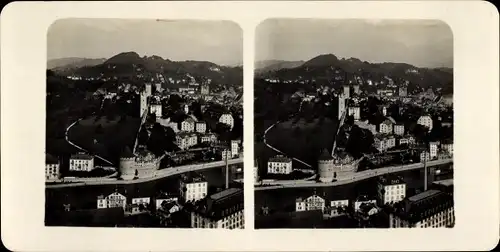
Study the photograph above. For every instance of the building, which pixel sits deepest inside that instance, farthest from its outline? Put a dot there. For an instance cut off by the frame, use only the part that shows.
(165, 199)
(143, 103)
(403, 91)
(433, 149)
(143, 164)
(148, 89)
(226, 154)
(205, 89)
(188, 125)
(399, 129)
(155, 108)
(385, 127)
(311, 203)
(432, 208)
(390, 189)
(355, 112)
(227, 119)
(141, 201)
(201, 127)
(235, 148)
(447, 146)
(384, 142)
(186, 109)
(363, 199)
(52, 170)
(408, 140)
(192, 187)
(425, 121)
(279, 165)
(356, 89)
(341, 105)
(115, 199)
(158, 87)
(185, 140)
(81, 162)
(346, 91)
(208, 138)
(425, 156)
(220, 210)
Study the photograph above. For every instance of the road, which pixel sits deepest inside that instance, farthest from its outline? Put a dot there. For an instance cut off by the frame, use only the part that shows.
(351, 179)
(80, 148)
(163, 173)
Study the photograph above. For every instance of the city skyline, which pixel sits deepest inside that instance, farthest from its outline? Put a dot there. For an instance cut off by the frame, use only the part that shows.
(219, 42)
(429, 44)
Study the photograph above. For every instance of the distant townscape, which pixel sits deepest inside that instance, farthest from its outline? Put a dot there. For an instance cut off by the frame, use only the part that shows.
(344, 143)
(137, 141)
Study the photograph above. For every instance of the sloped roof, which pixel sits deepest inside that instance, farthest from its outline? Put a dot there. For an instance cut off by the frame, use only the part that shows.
(49, 159)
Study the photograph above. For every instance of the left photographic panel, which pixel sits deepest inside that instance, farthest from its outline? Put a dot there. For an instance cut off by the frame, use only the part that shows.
(144, 124)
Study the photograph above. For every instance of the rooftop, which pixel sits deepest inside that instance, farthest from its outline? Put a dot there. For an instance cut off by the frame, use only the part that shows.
(82, 156)
(221, 204)
(127, 153)
(280, 158)
(325, 155)
(189, 120)
(446, 182)
(192, 177)
(423, 195)
(391, 180)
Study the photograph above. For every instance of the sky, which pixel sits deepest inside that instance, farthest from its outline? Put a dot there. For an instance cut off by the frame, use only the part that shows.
(220, 42)
(423, 43)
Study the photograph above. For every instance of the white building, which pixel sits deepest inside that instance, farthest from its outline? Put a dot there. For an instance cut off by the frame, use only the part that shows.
(220, 210)
(158, 87)
(447, 146)
(384, 142)
(355, 112)
(409, 140)
(363, 200)
(81, 162)
(235, 148)
(279, 165)
(208, 138)
(433, 149)
(192, 187)
(156, 109)
(186, 109)
(425, 156)
(226, 154)
(165, 199)
(429, 209)
(188, 125)
(346, 92)
(390, 189)
(313, 202)
(201, 127)
(52, 170)
(113, 200)
(385, 127)
(185, 140)
(227, 119)
(425, 121)
(341, 105)
(148, 89)
(141, 200)
(143, 103)
(399, 129)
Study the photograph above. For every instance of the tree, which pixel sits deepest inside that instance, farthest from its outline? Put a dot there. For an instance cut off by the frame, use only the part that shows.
(335, 175)
(143, 136)
(98, 129)
(136, 173)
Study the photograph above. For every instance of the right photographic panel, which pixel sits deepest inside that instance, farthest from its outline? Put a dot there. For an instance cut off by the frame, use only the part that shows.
(353, 124)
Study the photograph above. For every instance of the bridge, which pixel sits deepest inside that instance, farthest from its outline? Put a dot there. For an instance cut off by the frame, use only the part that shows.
(355, 177)
(159, 174)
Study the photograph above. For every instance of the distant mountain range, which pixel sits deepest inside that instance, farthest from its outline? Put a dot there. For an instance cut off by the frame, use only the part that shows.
(327, 67)
(73, 62)
(130, 65)
(273, 65)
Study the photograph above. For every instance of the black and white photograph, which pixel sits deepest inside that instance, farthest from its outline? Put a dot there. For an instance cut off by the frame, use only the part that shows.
(353, 124)
(144, 123)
